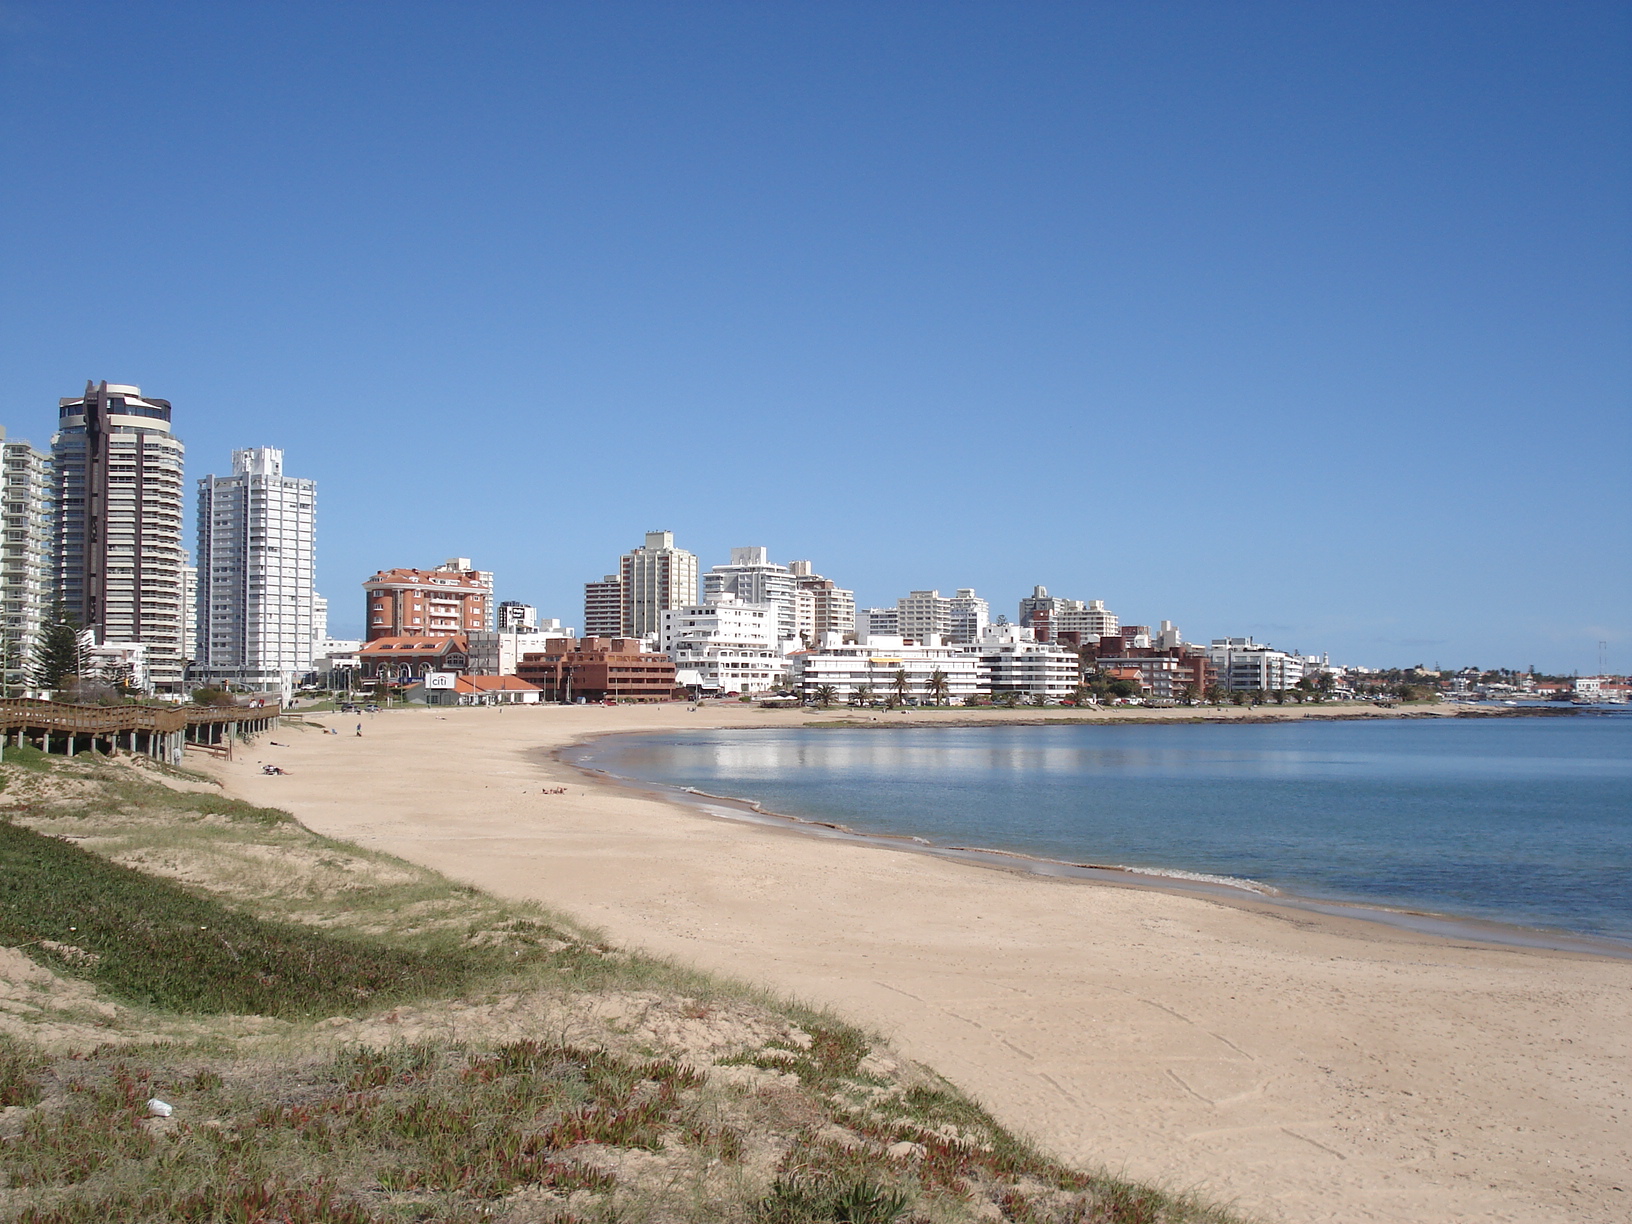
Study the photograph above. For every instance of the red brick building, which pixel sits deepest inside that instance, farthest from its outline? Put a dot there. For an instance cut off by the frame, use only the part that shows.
(401, 660)
(450, 599)
(599, 669)
(1165, 672)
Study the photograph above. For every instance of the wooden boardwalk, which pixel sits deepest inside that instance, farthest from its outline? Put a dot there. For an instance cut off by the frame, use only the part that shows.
(162, 732)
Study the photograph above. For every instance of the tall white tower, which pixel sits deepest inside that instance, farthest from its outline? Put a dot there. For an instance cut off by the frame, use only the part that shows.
(655, 576)
(256, 557)
(27, 579)
(753, 578)
(116, 549)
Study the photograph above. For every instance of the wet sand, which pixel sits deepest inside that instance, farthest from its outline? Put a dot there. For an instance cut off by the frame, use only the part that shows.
(1303, 1065)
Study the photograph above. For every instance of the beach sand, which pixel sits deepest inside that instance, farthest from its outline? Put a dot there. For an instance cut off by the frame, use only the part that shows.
(1305, 1068)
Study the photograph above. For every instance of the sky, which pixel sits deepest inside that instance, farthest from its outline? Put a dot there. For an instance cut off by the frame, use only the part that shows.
(1310, 321)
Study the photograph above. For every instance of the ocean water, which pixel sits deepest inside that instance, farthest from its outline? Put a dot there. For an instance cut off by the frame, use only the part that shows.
(1526, 821)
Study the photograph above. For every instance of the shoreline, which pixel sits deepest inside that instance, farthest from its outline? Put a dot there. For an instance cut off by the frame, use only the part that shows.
(1183, 716)
(1223, 889)
(1309, 1067)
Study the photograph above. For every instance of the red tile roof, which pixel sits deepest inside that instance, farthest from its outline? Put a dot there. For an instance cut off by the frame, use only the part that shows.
(400, 646)
(494, 684)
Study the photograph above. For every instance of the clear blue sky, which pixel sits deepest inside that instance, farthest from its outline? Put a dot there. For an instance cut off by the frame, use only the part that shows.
(1304, 320)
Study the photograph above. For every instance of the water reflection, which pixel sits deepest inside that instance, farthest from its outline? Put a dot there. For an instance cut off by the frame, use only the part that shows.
(1529, 820)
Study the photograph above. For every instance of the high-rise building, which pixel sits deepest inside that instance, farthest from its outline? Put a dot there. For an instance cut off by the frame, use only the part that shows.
(832, 610)
(447, 601)
(26, 579)
(515, 617)
(189, 614)
(724, 646)
(922, 613)
(884, 622)
(970, 616)
(116, 547)
(603, 607)
(753, 578)
(656, 576)
(256, 559)
(1047, 615)
(1092, 619)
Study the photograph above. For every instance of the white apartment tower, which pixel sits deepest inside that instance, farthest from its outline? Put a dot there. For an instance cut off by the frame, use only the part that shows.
(189, 614)
(256, 556)
(753, 578)
(724, 646)
(603, 607)
(922, 613)
(832, 608)
(517, 617)
(116, 548)
(25, 580)
(655, 577)
(970, 616)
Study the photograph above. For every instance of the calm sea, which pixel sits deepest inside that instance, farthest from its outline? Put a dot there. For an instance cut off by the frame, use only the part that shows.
(1526, 821)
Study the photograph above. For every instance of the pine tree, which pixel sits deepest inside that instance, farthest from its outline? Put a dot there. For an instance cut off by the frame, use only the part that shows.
(58, 653)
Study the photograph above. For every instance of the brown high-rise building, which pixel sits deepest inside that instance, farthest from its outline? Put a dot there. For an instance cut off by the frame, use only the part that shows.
(117, 552)
(599, 669)
(447, 601)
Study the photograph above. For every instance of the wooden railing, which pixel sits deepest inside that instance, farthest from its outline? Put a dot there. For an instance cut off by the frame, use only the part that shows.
(89, 719)
(213, 714)
(105, 720)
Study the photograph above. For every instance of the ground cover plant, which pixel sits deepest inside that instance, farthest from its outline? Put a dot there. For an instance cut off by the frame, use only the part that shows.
(345, 1038)
(159, 944)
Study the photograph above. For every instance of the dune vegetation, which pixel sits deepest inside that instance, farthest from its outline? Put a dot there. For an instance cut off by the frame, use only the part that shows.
(342, 1036)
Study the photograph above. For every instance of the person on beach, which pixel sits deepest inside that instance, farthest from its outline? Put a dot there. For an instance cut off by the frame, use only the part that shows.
(359, 730)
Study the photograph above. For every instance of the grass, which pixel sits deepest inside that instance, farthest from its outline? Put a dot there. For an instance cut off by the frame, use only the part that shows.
(790, 1117)
(157, 944)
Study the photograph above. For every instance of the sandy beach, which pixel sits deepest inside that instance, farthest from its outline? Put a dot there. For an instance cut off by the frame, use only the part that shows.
(1306, 1068)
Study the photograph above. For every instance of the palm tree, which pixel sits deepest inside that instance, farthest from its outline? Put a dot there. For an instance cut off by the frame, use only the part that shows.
(901, 685)
(864, 694)
(824, 694)
(939, 688)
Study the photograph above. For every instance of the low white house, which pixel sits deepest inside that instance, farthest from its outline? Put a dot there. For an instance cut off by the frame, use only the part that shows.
(114, 662)
(448, 689)
(869, 667)
(724, 646)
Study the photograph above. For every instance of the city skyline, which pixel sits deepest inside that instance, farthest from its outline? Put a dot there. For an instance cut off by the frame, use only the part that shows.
(1293, 321)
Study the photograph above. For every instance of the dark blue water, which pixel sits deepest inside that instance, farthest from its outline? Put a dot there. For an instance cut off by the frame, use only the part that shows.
(1518, 820)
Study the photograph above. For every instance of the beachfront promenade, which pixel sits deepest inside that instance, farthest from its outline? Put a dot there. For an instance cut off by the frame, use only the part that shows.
(162, 732)
(1310, 1068)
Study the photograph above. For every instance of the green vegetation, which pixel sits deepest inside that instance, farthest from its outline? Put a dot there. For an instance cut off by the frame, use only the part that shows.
(157, 944)
(57, 655)
(349, 1039)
